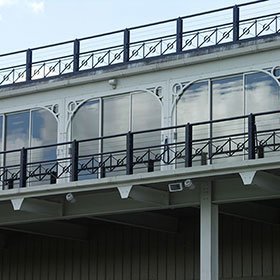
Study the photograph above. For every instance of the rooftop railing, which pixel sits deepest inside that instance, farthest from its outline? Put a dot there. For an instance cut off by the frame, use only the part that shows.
(172, 36)
(255, 136)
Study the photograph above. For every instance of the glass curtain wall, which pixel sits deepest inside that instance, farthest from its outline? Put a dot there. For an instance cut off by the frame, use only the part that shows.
(193, 107)
(263, 94)
(229, 97)
(227, 101)
(30, 128)
(116, 115)
(85, 125)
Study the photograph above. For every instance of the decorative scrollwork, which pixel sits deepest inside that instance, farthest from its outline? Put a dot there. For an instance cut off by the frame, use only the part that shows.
(275, 71)
(156, 91)
(54, 109)
(177, 90)
(73, 106)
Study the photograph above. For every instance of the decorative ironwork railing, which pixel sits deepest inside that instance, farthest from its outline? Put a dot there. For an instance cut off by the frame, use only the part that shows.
(143, 151)
(85, 53)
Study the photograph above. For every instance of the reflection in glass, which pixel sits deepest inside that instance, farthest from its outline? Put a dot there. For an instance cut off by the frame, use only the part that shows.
(1, 139)
(85, 125)
(263, 94)
(146, 114)
(115, 115)
(17, 137)
(116, 121)
(228, 101)
(17, 134)
(17, 130)
(43, 132)
(193, 107)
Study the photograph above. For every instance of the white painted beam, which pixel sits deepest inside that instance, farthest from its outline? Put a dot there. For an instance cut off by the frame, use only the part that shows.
(144, 194)
(267, 180)
(228, 190)
(149, 195)
(253, 211)
(55, 229)
(147, 220)
(209, 263)
(124, 191)
(38, 206)
(247, 177)
(196, 172)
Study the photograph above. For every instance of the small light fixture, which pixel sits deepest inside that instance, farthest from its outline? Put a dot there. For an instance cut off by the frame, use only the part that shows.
(188, 184)
(70, 198)
(113, 83)
(175, 187)
(179, 186)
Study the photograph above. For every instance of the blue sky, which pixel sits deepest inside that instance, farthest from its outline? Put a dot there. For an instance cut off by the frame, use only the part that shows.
(32, 23)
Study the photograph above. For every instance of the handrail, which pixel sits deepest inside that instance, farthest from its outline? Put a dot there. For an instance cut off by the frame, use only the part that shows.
(24, 166)
(127, 44)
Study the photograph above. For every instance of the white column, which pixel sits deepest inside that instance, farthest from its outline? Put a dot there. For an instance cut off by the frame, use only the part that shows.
(209, 240)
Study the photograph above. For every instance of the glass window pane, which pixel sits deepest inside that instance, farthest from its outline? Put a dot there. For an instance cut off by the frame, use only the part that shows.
(263, 95)
(43, 132)
(190, 103)
(1, 139)
(146, 111)
(115, 121)
(146, 114)
(17, 136)
(228, 101)
(193, 106)
(116, 115)
(17, 130)
(1, 133)
(44, 128)
(85, 125)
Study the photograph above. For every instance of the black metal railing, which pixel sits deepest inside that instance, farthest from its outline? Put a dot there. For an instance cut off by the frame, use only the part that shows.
(257, 136)
(122, 46)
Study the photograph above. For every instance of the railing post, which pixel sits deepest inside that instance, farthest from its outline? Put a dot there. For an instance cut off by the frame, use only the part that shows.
(179, 35)
(102, 171)
(129, 153)
(23, 168)
(76, 56)
(28, 65)
(126, 41)
(188, 145)
(74, 160)
(151, 165)
(53, 177)
(251, 137)
(235, 23)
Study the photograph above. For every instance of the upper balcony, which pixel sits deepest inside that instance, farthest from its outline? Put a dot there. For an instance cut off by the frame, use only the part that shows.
(146, 42)
(214, 116)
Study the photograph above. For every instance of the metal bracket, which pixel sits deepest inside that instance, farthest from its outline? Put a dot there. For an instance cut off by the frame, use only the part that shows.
(17, 203)
(124, 191)
(247, 177)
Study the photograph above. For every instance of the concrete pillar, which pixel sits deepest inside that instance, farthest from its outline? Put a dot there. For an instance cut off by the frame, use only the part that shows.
(209, 262)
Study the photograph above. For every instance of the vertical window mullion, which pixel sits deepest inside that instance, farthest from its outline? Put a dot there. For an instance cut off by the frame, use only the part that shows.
(210, 92)
(30, 129)
(101, 114)
(130, 120)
